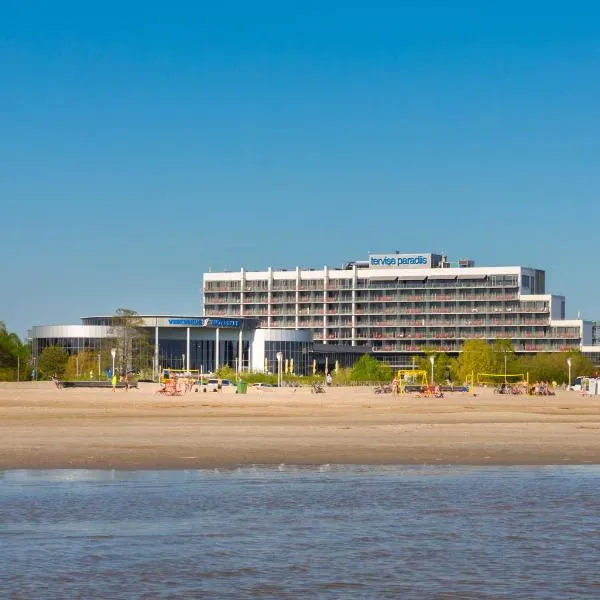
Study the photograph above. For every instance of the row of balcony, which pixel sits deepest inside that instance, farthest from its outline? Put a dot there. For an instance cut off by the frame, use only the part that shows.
(318, 309)
(256, 298)
(458, 330)
(333, 320)
(345, 331)
(458, 347)
(361, 284)
(465, 335)
(365, 322)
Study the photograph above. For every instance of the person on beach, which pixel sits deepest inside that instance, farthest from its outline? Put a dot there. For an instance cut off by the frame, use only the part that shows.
(114, 382)
(219, 384)
(126, 382)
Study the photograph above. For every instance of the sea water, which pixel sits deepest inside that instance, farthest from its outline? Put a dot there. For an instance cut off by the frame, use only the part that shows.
(286, 532)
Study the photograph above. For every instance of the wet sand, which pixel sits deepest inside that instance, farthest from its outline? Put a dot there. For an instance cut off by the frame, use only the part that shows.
(42, 427)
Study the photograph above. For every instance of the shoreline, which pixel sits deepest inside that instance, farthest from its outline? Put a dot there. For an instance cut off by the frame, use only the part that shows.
(45, 428)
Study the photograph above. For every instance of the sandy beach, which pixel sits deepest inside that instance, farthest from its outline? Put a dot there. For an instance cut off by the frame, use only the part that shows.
(43, 427)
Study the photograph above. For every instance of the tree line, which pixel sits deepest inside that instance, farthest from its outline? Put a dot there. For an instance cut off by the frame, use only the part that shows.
(477, 357)
(134, 352)
(14, 356)
(498, 357)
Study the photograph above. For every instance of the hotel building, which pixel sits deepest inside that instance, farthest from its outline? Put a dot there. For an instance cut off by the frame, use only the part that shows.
(397, 305)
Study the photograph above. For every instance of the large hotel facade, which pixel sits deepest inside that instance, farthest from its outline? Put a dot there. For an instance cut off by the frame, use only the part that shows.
(397, 305)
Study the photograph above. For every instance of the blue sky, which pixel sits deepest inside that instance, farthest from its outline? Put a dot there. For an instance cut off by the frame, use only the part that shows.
(142, 144)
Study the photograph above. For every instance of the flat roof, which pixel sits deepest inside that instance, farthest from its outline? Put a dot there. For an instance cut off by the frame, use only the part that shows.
(372, 272)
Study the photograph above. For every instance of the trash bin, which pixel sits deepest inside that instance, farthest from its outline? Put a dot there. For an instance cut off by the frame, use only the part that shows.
(242, 387)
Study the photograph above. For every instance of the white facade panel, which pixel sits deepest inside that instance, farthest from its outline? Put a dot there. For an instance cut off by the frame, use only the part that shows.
(70, 331)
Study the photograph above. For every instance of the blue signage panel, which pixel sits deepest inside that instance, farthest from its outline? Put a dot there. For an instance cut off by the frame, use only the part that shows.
(222, 323)
(206, 322)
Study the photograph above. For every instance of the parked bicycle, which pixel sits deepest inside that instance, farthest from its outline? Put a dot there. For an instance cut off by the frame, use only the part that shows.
(317, 388)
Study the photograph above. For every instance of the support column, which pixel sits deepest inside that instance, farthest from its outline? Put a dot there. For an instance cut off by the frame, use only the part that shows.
(354, 285)
(240, 352)
(325, 279)
(297, 299)
(269, 296)
(216, 348)
(156, 366)
(242, 290)
(187, 350)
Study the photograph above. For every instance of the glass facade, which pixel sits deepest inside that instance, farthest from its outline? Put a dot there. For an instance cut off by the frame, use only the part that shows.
(72, 345)
(172, 344)
(171, 354)
(298, 352)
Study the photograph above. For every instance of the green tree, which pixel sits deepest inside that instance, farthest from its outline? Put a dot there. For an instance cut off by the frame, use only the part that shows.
(546, 366)
(53, 360)
(443, 366)
(80, 365)
(367, 368)
(14, 356)
(131, 340)
(476, 357)
(226, 372)
(503, 355)
(342, 376)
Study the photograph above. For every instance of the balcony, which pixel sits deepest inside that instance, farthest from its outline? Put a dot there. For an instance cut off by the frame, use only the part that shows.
(225, 286)
(255, 287)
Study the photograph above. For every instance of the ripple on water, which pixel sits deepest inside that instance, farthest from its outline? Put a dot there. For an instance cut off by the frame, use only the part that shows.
(326, 531)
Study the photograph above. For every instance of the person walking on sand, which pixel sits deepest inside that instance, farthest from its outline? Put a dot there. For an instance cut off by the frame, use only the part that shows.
(56, 381)
(126, 382)
(114, 382)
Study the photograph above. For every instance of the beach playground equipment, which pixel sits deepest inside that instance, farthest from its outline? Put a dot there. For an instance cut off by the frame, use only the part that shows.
(177, 381)
(505, 383)
(411, 380)
(470, 382)
(174, 374)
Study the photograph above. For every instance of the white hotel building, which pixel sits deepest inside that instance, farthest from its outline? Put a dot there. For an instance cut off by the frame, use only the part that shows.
(396, 305)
